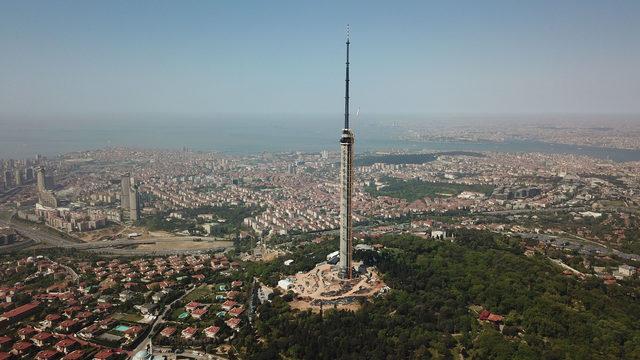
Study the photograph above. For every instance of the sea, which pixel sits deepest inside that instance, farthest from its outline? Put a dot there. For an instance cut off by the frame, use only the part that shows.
(234, 134)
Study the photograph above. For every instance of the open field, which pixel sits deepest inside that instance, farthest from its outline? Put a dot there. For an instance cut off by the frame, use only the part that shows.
(204, 293)
(133, 318)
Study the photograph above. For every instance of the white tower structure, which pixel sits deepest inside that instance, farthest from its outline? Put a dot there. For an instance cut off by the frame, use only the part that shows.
(346, 183)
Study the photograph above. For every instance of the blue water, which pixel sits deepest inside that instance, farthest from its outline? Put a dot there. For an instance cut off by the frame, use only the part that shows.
(121, 328)
(244, 135)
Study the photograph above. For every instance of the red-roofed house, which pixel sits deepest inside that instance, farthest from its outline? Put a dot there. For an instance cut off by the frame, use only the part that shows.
(26, 332)
(133, 332)
(211, 331)
(227, 305)
(106, 354)
(48, 354)
(5, 355)
(22, 348)
(5, 342)
(42, 339)
(168, 331)
(50, 320)
(198, 313)
(189, 332)
(236, 311)
(192, 306)
(233, 323)
(68, 326)
(66, 345)
(74, 355)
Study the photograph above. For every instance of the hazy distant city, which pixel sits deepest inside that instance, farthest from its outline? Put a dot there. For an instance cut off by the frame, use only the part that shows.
(230, 181)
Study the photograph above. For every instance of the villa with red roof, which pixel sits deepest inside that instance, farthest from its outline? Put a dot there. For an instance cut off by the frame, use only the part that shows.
(106, 354)
(68, 325)
(168, 331)
(22, 348)
(233, 323)
(198, 313)
(48, 354)
(66, 345)
(42, 338)
(5, 342)
(211, 331)
(192, 306)
(50, 319)
(189, 332)
(132, 332)
(26, 332)
(236, 311)
(227, 305)
(74, 355)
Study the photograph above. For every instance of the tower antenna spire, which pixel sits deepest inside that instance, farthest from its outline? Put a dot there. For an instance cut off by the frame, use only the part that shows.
(346, 89)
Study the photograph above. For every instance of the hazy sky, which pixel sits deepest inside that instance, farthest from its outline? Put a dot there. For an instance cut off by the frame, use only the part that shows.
(200, 57)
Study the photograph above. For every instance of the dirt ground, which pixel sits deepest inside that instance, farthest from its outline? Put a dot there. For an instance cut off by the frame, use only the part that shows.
(182, 244)
(323, 284)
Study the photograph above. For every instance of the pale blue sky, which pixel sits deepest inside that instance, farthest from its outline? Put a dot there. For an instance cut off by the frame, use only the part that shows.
(202, 57)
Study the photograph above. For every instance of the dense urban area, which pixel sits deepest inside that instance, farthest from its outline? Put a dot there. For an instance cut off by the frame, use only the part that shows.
(130, 253)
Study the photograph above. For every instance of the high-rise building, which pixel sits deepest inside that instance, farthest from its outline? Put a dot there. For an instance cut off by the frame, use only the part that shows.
(134, 202)
(125, 188)
(7, 179)
(18, 177)
(47, 198)
(40, 179)
(49, 182)
(346, 183)
(29, 174)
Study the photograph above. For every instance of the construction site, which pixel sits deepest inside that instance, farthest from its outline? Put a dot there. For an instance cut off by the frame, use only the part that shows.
(324, 287)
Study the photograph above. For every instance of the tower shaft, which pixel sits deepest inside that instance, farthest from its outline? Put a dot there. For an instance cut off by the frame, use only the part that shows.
(346, 189)
(346, 183)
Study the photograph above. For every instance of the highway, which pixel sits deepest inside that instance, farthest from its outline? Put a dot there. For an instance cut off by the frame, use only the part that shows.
(114, 247)
(38, 235)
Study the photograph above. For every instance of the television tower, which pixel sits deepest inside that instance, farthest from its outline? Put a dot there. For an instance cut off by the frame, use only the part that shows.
(346, 183)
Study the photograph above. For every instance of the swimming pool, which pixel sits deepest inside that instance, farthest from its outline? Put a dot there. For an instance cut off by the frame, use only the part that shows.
(122, 328)
(183, 315)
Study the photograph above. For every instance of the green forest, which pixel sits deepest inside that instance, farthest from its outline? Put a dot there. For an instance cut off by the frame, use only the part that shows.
(414, 189)
(427, 313)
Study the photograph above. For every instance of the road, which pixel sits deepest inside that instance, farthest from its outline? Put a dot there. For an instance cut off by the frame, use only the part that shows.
(167, 351)
(160, 320)
(38, 235)
(49, 238)
(198, 355)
